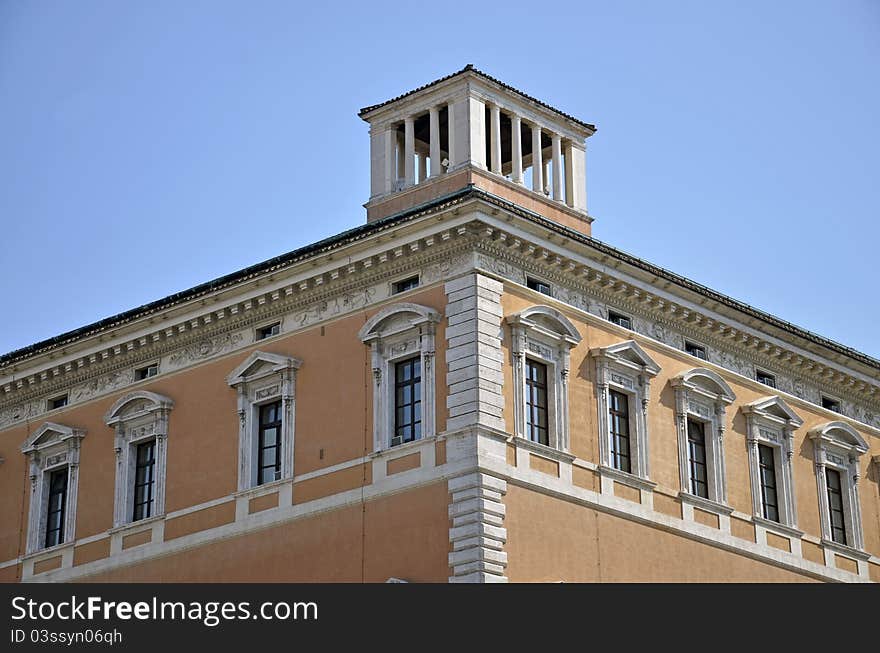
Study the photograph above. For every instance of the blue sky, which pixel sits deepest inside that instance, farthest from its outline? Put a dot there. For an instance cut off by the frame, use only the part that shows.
(148, 147)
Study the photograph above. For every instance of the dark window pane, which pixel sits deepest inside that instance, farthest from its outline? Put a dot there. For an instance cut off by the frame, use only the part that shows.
(57, 507)
(408, 399)
(835, 505)
(536, 402)
(697, 458)
(144, 480)
(619, 418)
(269, 443)
(767, 470)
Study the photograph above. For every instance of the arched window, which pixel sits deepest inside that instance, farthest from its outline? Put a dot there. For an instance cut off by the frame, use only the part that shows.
(837, 447)
(541, 341)
(401, 341)
(771, 425)
(623, 385)
(53, 458)
(140, 420)
(701, 398)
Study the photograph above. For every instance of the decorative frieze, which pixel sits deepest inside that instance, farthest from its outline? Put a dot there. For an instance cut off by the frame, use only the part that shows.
(667, 322)
(359, 285)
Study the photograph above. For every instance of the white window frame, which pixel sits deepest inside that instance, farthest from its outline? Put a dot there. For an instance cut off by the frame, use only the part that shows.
(545, 335)
(394, 334)
(838, 445)
(626, 368)
(703, 396)
(136, 418)
(48, 449)
(772, 423)
(261, 379)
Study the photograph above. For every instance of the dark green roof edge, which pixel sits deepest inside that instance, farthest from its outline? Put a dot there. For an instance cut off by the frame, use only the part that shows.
(470, 67)
(391, 221)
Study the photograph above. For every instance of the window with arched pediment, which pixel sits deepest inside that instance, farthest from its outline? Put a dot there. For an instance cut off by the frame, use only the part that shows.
(837, 448)
(140, 421)
(401, 340)
(541, 342)
(53, 461)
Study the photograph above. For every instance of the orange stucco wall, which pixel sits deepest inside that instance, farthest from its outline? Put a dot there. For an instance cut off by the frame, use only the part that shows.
(202, 453)
(551, 540)
(663, 438)
(405, 535)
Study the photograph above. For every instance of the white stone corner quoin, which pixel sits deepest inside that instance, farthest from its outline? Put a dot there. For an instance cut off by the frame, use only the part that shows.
(477, 533)
(474, 359)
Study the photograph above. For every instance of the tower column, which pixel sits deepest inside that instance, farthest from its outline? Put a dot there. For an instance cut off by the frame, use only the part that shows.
(390, 146)
(398, 176)
(516, 148)
(423, 167)
(434, 119)
(537, 165)
(450, 130)
(495, 135)
(409, 151)
(557, 167)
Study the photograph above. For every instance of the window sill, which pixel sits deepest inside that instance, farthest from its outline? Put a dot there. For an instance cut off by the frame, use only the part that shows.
(406, 446)
(544, 450)
(49, 552)
(846, 550)
(705, 504)
(265, 488)
(626, 478)
(136, 525)
(776, 527)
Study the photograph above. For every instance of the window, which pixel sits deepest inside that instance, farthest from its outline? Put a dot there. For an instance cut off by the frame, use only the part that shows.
(620, 319)
(266, 387)
(268, 331)
(623, 387)
(57, 402)
(765, 378)
(140, 420)
(56, 507)
(835, 506)
(837, 448)
(831, 404)
(770, 427)
(536, 402)
(269, 445)
(618, 409)
(697, 458)
(146, 372)
(407, 401)
(701, 399)
(695, 350)
(540, 286)
(541, 341)
(401, 341)
(767, 467)
(53, 461)
(144, 480)
(405, 284)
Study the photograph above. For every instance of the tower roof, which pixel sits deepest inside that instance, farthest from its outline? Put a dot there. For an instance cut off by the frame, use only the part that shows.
(470, 69)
